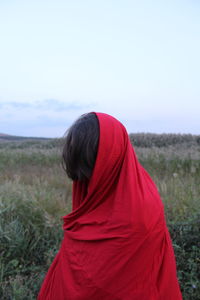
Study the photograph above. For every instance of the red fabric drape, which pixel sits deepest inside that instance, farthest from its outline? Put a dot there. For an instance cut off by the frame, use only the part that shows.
(116, 244)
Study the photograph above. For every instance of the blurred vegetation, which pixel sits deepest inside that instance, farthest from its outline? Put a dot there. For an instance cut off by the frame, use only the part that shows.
(35, 193)
(163, 140)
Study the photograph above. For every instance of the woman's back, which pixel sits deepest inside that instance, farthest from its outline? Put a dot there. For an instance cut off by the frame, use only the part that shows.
(116, 244)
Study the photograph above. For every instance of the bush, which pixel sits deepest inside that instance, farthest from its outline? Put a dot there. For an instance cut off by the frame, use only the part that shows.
(30, 234)
(186, 242)
(162, 140)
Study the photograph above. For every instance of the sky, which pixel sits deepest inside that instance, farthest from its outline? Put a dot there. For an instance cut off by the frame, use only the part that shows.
(136, 60)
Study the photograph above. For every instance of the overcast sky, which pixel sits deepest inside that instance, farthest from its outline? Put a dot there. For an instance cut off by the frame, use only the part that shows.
(136, 60)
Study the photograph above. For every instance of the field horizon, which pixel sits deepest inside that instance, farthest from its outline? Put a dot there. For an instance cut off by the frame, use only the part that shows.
(35, 193)
(12, 137)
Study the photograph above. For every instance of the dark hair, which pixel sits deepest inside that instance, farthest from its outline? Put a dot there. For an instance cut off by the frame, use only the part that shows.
(80, 149)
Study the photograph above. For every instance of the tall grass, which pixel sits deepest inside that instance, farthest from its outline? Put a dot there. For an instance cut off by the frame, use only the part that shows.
(35, 193)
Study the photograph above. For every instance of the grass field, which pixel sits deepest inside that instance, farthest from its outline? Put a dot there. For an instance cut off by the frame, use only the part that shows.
(35, 193)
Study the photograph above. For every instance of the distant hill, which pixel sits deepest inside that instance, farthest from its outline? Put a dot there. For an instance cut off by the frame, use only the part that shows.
(142, 139)
(8, 137)
(4, 134)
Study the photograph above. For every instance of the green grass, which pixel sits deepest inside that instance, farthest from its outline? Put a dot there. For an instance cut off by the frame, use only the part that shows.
(35, 193)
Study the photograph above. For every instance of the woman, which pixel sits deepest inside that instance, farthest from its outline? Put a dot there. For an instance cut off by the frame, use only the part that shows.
(116, 244)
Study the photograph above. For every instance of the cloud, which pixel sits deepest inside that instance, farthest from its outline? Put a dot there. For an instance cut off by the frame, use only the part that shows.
(48, 104)
(56, 105)
(49, 117)
(14, 105)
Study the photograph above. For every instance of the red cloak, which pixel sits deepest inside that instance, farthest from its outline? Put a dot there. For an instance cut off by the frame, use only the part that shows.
(116, 244)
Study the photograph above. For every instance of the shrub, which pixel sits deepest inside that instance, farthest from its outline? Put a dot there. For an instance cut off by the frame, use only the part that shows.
(185, 236)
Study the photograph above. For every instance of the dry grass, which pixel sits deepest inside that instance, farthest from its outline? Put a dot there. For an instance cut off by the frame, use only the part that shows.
(35, 193)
